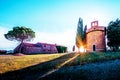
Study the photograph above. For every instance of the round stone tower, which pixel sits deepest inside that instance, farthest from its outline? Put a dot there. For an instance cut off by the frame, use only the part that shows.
(95, 38)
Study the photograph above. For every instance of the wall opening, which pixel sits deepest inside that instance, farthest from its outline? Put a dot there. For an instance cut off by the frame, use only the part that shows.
(94, 48)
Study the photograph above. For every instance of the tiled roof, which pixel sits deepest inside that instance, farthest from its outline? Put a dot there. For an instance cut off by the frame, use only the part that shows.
(39, 44)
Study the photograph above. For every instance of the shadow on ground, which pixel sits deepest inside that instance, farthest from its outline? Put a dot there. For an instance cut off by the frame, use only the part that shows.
(35, 72)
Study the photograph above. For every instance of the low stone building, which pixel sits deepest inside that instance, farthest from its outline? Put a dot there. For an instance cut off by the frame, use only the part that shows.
(95, 38)
(30, 48)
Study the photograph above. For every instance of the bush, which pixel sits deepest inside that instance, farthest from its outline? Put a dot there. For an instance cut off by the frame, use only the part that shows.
(61, 49)
(3, 51)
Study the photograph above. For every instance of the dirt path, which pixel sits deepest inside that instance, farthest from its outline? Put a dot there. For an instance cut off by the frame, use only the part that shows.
(58, 67)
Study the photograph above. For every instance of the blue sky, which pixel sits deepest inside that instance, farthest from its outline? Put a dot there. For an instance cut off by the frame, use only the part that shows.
(54, 21)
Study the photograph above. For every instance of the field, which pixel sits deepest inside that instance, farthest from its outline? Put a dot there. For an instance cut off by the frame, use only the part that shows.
(64, 66)
(11, 62)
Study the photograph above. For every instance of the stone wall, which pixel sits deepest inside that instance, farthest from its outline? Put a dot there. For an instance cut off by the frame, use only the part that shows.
(95, 36)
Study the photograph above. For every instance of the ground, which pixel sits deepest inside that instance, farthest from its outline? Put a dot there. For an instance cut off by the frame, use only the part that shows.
(109, 70)
(67, 66)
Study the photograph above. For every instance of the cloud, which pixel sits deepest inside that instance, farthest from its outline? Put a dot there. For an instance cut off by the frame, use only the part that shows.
(65, 38)
(4, 43)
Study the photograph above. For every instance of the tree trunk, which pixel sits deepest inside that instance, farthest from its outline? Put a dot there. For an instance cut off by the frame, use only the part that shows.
(20, 47)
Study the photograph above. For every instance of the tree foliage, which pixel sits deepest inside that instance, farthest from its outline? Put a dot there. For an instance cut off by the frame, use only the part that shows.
(113, 34)
(84, 40)
(21, 34)
(81, 34)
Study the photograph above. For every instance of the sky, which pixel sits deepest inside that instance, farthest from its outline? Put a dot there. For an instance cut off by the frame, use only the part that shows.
(54, 21)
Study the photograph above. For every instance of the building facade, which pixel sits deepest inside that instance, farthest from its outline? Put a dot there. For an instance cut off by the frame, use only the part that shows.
(95, 38)
(29, 48)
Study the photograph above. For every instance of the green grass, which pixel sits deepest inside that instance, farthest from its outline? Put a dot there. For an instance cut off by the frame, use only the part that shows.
(86, 58)
(27, 65)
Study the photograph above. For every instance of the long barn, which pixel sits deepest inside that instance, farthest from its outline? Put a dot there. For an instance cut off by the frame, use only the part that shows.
(29, 48)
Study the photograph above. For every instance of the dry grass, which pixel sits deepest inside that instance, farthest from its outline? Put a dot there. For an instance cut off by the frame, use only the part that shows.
(11, 63)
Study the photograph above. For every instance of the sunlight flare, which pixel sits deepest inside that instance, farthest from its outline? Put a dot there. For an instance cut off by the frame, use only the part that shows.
(82, 49)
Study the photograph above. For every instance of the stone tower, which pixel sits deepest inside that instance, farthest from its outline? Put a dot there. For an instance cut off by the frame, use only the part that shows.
(95, 38)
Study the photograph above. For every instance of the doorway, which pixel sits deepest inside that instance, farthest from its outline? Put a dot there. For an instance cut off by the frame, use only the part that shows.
(94, 48)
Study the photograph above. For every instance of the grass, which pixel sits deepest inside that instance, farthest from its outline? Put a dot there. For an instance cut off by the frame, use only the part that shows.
(26, 66)
(11, 62)
(87, 58)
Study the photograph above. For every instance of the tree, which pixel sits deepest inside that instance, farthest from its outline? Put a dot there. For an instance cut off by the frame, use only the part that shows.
(113, 34)
(84, 40)
(20, 34)
(81, 34)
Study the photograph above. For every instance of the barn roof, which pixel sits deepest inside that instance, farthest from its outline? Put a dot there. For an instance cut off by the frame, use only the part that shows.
(39, 44)
(46, 44)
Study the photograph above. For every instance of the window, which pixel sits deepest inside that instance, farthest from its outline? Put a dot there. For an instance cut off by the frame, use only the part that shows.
(94, 47)
(93, 24)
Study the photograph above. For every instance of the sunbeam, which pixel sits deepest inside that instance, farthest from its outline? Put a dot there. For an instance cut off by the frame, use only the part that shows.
(58, 67)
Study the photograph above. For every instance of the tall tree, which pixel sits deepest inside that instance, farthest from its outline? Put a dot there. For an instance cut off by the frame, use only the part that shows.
(113, 34)
(20, 34)
(81, 34)
(84, 40)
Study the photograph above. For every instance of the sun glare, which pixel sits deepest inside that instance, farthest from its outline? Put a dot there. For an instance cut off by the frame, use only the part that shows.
(82, 49)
